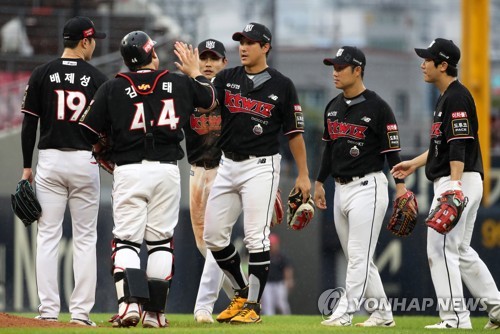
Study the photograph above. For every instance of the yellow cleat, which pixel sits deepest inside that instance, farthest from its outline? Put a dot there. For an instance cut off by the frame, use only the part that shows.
(232, 310)
(250, 314)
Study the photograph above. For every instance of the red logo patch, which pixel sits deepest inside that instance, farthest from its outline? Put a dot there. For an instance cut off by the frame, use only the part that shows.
(148, 46)
(297, 108)
(392, 127)
(88, 32)
(435, 131)
(459, 114)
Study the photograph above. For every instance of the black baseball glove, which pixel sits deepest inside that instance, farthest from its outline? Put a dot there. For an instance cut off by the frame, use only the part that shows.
(25, 204)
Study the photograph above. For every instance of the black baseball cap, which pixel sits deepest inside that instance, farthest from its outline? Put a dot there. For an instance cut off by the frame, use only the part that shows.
(80, 27)
(441, 49)
(347, 55)
(213, 46)
(255, 32)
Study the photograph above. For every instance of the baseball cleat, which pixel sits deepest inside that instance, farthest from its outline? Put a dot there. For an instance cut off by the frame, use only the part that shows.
(336, 320)
(492, 325)
(447, 325)
(154, 320)
(232, 310)
(203, 317)
(128, 315)
(250, 314)
(377, 322)
(83, 322)
(39, 317)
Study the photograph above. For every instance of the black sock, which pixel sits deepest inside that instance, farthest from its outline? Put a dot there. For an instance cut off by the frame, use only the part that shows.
(258, 270)
(229, 261)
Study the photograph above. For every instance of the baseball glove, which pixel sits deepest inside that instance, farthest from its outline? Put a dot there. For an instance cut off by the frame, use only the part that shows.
(404, 215)
(278, 211)
(25, 204)
(299, 214)
(103, 155)
(447, 213)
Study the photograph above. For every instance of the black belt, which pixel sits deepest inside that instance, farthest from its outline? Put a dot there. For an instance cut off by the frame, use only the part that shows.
(238, 157)
(207, 164)
(347, 179)
(170, 162)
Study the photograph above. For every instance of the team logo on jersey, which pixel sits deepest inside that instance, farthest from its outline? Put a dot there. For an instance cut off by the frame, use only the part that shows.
(459, 114)
(354, 151)
(392, 127)
(144, 87)
(297, 108)
(236, 103)
(435, 130)
(460, 127)
(338, 129)
(206, 123)
(257, 129)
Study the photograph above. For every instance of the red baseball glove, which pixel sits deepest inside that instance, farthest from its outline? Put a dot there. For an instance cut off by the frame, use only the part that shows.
(446, 215)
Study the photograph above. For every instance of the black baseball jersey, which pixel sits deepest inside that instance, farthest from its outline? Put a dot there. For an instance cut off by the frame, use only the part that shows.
(58, 94)
(154, 102)
(455, 118)
(202, 133)
(362, 130)
(253, 115)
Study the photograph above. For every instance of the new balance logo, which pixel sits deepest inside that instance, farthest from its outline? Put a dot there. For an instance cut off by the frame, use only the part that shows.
(262, 161)
(210, 44)
(248, 28)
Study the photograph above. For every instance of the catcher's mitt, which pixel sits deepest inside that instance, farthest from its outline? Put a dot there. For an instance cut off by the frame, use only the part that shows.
(404, 215)
(103, 154)
(25, 204)
(299, 214)
(447, 213)
(278, 212)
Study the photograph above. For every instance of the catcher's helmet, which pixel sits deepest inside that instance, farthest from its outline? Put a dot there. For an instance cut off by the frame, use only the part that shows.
(136, 49)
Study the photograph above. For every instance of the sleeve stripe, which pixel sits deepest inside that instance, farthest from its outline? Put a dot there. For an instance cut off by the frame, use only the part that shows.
(29, 112)
(88, 127)
(454, 138)
(391, 150)
(294, 131)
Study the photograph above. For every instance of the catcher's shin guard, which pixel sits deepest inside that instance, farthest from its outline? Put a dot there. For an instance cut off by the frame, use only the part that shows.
(131, 286)
(158, 293)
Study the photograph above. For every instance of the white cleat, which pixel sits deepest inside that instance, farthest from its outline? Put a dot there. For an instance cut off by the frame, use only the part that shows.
(52, 319)
(492, 325)
(82, 322)
(446, 325)
(377, 322)
(203, 317)
(154, 320)
(336, 320)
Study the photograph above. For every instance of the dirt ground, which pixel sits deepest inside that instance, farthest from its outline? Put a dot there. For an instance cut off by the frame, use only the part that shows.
(9, 321)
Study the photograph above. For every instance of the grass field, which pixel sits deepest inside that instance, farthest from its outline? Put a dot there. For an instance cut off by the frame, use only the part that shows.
(184, 323)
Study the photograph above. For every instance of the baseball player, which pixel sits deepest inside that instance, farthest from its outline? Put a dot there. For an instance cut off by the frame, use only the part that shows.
(453, 162)
(56, 95)
(257, 103)
(360, 134)
(202, 133)
(146, 110)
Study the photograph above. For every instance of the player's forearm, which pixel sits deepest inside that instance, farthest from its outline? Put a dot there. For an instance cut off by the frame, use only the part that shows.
(298, 149)
(28, 139)
(457, 169)
(420, 160)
